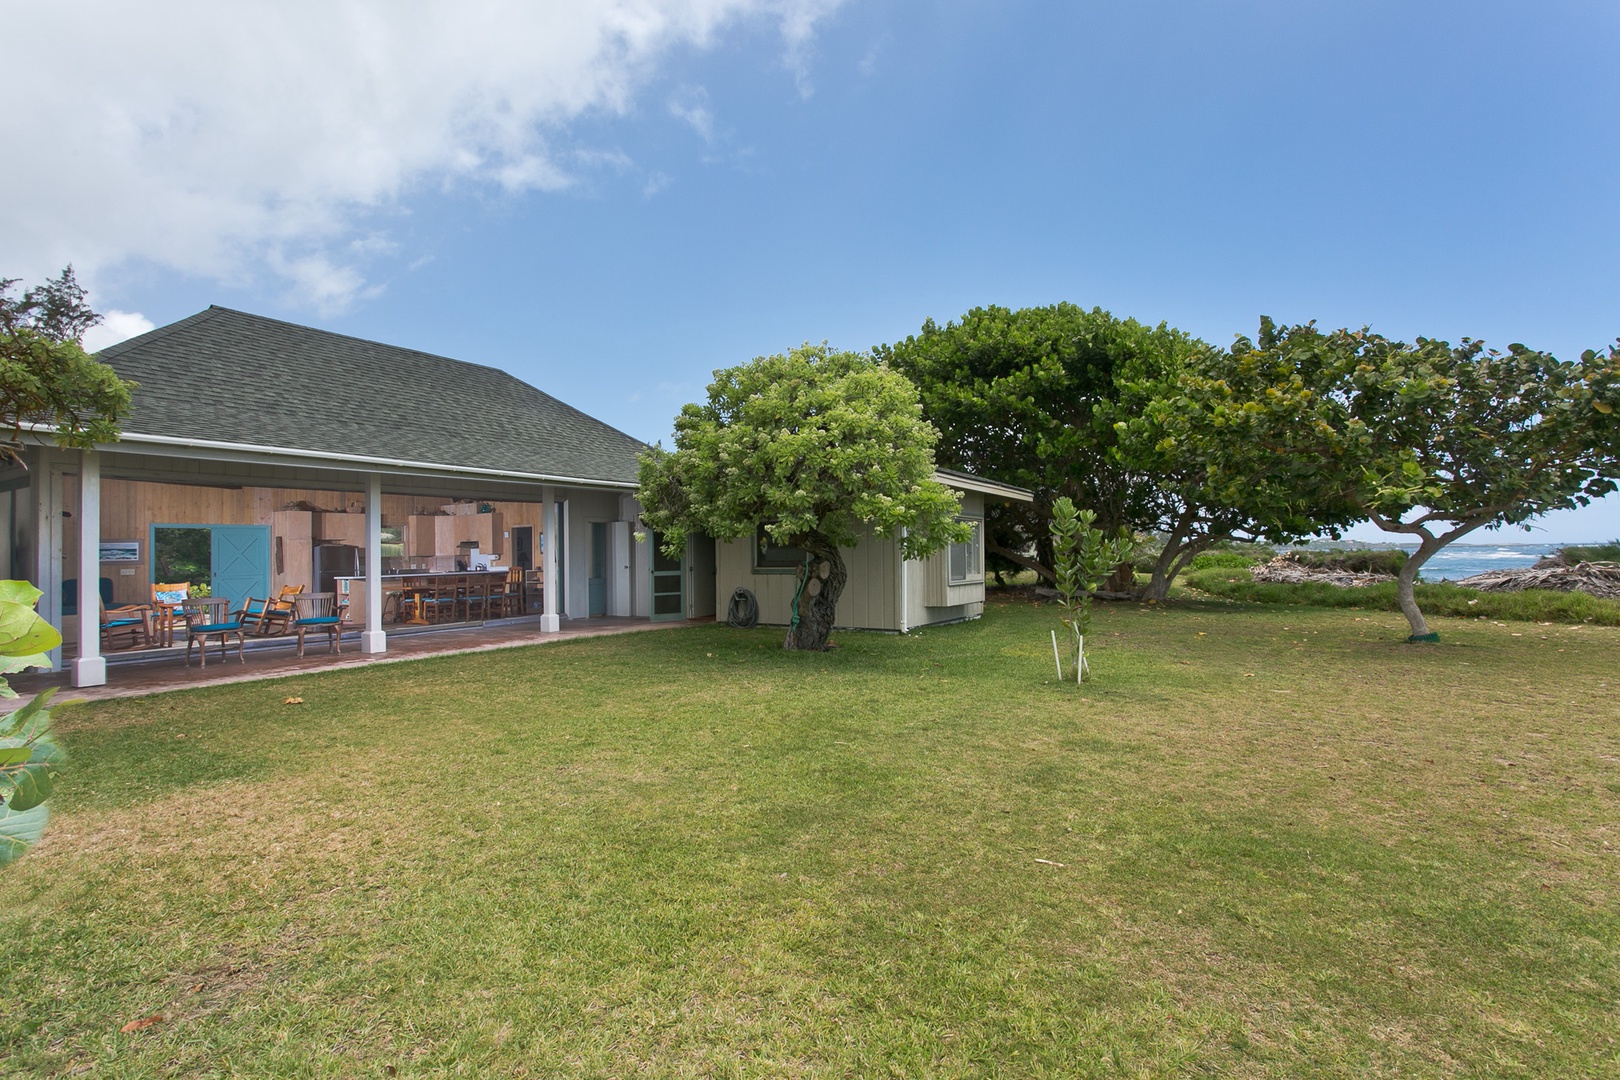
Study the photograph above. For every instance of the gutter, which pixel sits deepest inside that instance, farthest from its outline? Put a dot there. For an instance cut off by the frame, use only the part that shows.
(355, 459)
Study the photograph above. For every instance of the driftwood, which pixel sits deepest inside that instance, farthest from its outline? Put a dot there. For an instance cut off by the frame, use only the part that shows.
(1287, 571)
(1596, 579)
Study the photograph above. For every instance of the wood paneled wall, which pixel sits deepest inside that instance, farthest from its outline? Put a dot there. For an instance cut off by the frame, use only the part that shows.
(129, 507)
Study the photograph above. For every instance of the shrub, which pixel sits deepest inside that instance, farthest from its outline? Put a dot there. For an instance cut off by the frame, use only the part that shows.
(1354, 561)
(1531, 605)
(1573, 554)
(1225, 553)
(1223, 559)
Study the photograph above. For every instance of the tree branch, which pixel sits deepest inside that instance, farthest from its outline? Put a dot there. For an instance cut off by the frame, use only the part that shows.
(1022, 560)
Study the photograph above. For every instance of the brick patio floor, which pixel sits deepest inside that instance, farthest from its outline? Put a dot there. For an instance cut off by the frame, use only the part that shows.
(153, 671)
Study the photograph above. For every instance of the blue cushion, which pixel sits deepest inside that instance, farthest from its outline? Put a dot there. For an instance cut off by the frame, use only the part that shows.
(217, 628)
(115, 623)
(319, 620)
(170, 596)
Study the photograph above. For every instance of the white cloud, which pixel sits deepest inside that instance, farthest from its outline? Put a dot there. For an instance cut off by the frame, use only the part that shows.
(115, 326)
(693, 107)
(220, 141)
(656, 182)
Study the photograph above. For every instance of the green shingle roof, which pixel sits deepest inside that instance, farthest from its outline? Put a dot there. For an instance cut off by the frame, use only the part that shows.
(227, 376)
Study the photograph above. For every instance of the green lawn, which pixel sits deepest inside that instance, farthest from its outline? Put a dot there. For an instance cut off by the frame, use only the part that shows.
(1266, 842)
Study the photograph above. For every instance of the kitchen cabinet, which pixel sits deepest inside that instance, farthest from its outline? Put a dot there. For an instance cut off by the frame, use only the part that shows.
(443, 534)
(340, 528)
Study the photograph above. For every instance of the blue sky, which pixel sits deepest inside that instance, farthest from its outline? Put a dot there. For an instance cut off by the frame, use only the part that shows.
(611, 200)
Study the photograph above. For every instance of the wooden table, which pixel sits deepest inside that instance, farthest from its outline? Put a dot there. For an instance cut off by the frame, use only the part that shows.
(413, 588)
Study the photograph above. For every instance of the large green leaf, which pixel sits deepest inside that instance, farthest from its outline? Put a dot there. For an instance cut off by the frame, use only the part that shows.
(19, 592)
(14, 755)
(19, 829)
(31, 786)
(23, 632)
(31, 721)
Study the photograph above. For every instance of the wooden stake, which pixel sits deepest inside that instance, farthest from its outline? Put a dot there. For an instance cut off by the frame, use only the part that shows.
(1057, 659)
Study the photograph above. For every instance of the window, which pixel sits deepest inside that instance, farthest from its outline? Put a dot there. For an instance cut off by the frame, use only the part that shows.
(966, 560)
(769, 556)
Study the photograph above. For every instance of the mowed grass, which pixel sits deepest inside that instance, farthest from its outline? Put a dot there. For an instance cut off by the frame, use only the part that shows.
(1263, 843)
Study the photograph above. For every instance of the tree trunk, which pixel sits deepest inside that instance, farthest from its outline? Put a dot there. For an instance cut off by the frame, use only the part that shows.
(1173, 559)
(1178, 550)
(1406, 589)
(817, 612)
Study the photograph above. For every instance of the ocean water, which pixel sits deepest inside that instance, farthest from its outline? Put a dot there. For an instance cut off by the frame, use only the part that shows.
(1457, 561)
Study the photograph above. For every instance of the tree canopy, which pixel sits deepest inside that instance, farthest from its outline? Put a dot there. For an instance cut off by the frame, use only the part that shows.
(1308, 431)
(46, 378)
(1055, 399)
(814, 446)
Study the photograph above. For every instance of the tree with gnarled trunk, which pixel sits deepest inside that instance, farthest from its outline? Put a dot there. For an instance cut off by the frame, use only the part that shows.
(814, 447)
(1428, 440)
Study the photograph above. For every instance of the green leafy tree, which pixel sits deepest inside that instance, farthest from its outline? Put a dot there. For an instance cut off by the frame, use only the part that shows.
(1083, 557)
(1312, 430)
(46, 377)
(1054, 399)
(1194, 513)
(815, 446)
(29, 757)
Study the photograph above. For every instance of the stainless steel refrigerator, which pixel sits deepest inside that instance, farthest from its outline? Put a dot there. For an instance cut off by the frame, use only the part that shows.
(333, 561)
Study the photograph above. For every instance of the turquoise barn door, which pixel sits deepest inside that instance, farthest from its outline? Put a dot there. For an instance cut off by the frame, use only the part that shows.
(241, 555)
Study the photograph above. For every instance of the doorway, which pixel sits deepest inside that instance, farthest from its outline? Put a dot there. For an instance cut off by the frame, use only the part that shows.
(668, 586)
(596, 582)
(232, 560)
(523, 547)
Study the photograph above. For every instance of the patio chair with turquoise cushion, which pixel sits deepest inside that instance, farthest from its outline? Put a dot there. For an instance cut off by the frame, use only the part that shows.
(211, 617)
(319, 613)
(133, 621)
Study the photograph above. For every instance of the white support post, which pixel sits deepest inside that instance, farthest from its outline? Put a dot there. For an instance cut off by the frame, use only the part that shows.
(89, 667)
(372, 638)
(550, 537)
(47, 484)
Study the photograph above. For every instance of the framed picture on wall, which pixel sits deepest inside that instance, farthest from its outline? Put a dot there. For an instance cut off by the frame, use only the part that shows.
(121, 551)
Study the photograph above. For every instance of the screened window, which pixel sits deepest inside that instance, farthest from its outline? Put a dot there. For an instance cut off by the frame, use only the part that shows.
(967, 558)
(769, 555)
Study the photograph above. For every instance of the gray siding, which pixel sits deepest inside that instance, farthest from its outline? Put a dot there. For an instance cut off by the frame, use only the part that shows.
(870, 600)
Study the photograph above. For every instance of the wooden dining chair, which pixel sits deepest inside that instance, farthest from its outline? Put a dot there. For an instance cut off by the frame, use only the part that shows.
(271, 614)
(516, 601)
(473, 596)
(444, 596)
(166, 601)
(320, 613)
(211, 617)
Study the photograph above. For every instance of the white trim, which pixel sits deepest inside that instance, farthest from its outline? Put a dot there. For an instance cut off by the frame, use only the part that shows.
(984, 487)
(975, 573)
(349, 459)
